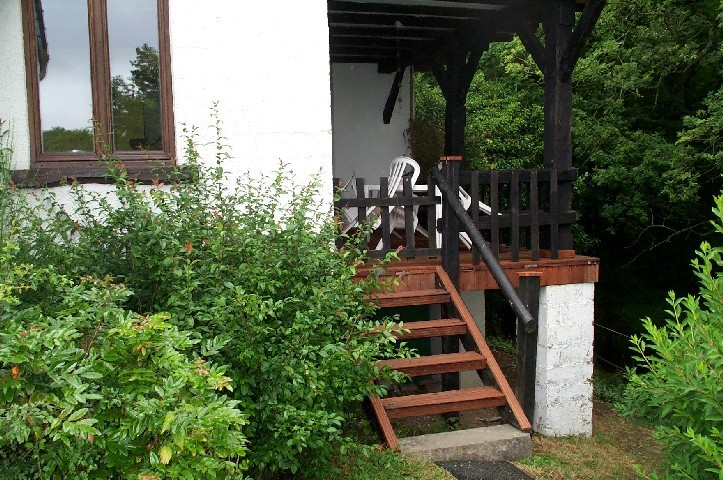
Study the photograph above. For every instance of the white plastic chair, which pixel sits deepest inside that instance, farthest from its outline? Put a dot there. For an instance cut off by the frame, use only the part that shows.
(466, 200)
(397, 169)
(350, 213)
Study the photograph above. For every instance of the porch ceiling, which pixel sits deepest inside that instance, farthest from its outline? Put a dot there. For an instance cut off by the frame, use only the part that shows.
(394, 33)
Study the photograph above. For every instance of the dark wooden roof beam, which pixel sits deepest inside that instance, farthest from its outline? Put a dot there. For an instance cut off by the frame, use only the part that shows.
(372, 26)
(357, 58)
(340, 15)
(361, 51)
(371, 45)
(388, 37)
(401, 8)
(467, 4)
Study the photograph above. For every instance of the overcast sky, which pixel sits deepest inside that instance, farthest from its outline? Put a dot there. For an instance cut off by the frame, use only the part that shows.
(65, 95)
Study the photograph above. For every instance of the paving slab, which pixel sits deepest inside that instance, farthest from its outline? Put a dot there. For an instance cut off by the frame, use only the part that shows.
(483, 470)
(494, 443)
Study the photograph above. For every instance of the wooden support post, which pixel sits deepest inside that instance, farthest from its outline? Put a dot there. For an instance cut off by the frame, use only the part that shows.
(450, 257)
(454, 81)
(527, 344)
(558, 25)
(450, 224)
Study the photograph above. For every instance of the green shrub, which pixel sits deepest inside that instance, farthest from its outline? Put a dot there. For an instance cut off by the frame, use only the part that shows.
(91, 390)
(253, 263)
(681, 389)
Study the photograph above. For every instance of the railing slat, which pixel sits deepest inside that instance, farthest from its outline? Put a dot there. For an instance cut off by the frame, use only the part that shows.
(515, 207)
(409, 228)
(534, 217)
(362, 210)
(386, 228)
(495, 204)
(432, 216)
(554, 215)
(474, 195)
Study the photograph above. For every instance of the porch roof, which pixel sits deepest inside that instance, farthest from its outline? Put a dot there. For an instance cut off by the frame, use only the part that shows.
(394, 33)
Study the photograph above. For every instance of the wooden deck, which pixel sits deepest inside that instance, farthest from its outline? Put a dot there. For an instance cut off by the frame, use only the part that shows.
(418, 273)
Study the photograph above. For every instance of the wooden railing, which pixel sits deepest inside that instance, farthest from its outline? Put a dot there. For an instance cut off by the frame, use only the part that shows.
(524, 303)
(524, 213)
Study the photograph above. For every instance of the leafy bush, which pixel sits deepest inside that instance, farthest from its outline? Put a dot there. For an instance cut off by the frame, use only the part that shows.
(252, 263)
(91, 390)
(681, 389)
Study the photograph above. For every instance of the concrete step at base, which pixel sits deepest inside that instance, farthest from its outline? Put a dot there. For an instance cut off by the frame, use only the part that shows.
(499, 442)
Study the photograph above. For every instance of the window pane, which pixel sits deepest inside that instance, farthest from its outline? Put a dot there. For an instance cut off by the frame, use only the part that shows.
(135, 74)
(66, 102)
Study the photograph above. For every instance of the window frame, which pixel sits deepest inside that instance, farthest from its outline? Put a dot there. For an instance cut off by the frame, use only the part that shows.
(84, 164)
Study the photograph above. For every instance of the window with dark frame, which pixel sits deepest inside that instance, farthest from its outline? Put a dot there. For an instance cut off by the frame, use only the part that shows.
(99, 83)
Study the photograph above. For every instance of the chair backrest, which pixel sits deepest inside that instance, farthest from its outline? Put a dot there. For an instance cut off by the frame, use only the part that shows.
(398, 168)
(350, 184)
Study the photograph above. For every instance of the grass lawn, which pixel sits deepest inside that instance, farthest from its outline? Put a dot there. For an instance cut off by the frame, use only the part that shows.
(616, 449)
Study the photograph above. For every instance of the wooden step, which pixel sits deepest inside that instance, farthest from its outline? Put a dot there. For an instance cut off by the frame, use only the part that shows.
(433, 364)
(405, 299)
(443, 402)
(433, 328)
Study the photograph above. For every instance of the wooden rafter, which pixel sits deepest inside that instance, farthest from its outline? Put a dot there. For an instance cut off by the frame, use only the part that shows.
(427, 27)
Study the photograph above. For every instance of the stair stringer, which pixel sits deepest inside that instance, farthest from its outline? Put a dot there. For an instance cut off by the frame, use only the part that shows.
(480, 345)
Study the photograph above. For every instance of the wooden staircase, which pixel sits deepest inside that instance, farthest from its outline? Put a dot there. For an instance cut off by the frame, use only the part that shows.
(477, 356)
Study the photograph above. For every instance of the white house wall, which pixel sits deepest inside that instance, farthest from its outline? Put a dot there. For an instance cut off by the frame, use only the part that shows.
(363, 144)
(267, 69)
(267, 66)
(13, 96)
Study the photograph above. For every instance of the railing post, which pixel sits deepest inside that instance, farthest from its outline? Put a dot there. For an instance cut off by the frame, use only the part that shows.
(527, 344)
(450, 224)
(450, 255)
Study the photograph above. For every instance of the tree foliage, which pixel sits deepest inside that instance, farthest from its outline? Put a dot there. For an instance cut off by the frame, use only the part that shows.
(680, 389)
(647, 135)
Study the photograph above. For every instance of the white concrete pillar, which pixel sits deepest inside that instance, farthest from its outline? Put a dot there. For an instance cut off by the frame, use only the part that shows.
(563, 387)
(475, 301)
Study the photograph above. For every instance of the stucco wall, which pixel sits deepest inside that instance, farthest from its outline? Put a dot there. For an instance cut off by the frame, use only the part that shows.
(269, 74)
(13, 96)
(563, 386)
(362, 143)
